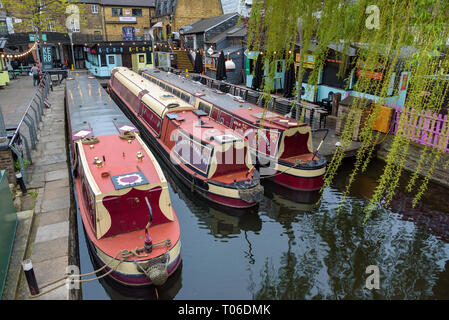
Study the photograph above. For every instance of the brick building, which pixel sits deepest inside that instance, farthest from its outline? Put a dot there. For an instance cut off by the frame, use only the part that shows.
(171, 15)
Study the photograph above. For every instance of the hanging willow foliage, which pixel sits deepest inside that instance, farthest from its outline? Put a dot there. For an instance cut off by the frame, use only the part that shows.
(410, 36)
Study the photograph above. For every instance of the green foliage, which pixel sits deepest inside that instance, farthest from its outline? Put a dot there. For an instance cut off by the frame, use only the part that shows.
(411, 34)
(41, 15)
(26, 163)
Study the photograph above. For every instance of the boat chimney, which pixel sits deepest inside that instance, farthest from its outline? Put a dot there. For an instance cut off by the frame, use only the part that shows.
(148, 243)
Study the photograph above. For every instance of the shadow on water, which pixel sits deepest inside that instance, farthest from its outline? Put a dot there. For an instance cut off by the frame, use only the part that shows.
(292, 250)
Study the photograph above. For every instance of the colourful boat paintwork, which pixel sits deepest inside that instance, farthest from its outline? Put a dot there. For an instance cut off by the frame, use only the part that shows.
(168, 123)
(285, 145)
(113, 192)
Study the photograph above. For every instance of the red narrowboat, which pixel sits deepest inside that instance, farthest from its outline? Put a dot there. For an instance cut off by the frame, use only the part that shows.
(121, 192)
(211, 159)
(282, 146)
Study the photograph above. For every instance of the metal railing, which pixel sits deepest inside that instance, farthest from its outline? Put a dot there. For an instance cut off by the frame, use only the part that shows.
(25, 136)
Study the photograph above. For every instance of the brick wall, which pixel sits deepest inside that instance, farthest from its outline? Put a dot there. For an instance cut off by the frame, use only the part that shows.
(186, 13)
(7, 163)
(114, 28)
(92, 22)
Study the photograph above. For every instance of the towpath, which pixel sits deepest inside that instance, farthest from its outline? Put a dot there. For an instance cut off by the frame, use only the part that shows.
(43, 234)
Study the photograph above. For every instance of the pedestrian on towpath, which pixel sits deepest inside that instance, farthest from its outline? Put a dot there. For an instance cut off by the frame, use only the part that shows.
(35, 71)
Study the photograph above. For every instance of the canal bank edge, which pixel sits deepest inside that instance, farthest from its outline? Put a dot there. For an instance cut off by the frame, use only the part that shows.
(439, 176)
(52, 244)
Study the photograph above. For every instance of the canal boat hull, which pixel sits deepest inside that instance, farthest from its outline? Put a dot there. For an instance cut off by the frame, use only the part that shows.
(131, 229)
(224, 194)
(307, 176)
(127, 274)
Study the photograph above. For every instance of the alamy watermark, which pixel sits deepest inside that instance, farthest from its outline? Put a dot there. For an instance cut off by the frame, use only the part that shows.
(373, 280)
(372, 21)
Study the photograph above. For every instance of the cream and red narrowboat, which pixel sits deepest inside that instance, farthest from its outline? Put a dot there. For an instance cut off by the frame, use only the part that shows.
(282, 146)
(208, 157)
(121, 192)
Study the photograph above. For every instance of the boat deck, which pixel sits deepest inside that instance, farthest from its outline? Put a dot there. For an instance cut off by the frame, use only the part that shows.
(120, 167)
(204, 130)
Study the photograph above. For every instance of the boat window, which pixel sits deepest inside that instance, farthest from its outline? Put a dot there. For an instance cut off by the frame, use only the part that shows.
(172, 105)
(193, 153)
(185, 97)
(176, 92)
(204, 107)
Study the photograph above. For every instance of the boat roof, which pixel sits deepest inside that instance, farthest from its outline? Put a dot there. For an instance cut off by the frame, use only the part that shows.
(185, 116)
(160, 100)
(91, 109)
(209, 131)
(236, 105)
(120, 166)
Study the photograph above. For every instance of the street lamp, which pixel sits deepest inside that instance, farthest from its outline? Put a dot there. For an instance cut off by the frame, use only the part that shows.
(73, 54)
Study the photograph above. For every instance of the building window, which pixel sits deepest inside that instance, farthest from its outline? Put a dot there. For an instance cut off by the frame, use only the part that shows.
(97, 35)
(279, 67)
(94, 8)
(117, 12)
(111, 60)
(137, 12)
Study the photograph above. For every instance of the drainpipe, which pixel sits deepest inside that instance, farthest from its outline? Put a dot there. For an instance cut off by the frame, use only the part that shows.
(104, 20)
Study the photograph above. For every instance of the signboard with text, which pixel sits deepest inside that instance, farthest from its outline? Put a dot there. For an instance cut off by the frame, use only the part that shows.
(33, 37)
(47, 58)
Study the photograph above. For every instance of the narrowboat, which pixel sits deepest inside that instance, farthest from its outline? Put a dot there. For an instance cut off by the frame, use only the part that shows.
(121, 192)
(208, 157)
(280, 146)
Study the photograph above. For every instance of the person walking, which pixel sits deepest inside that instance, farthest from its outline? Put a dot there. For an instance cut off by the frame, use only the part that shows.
(35, 71)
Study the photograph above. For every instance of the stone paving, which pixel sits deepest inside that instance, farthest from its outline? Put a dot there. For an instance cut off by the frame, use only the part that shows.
(328, 148)
(50, 244)
(14, 98)
(48, 238)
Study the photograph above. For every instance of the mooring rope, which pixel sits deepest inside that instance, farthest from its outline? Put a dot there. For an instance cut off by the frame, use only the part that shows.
(125, 255)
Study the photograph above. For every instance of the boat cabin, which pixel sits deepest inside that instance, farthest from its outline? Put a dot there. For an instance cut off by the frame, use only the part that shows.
(204, 145)
(271, 134)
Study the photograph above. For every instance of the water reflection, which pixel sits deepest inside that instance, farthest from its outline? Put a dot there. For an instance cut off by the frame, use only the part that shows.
(222, 224)
(326, 254)
(293, 250)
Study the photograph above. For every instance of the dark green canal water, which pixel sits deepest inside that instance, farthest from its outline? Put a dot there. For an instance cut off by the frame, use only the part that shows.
(290, 250)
